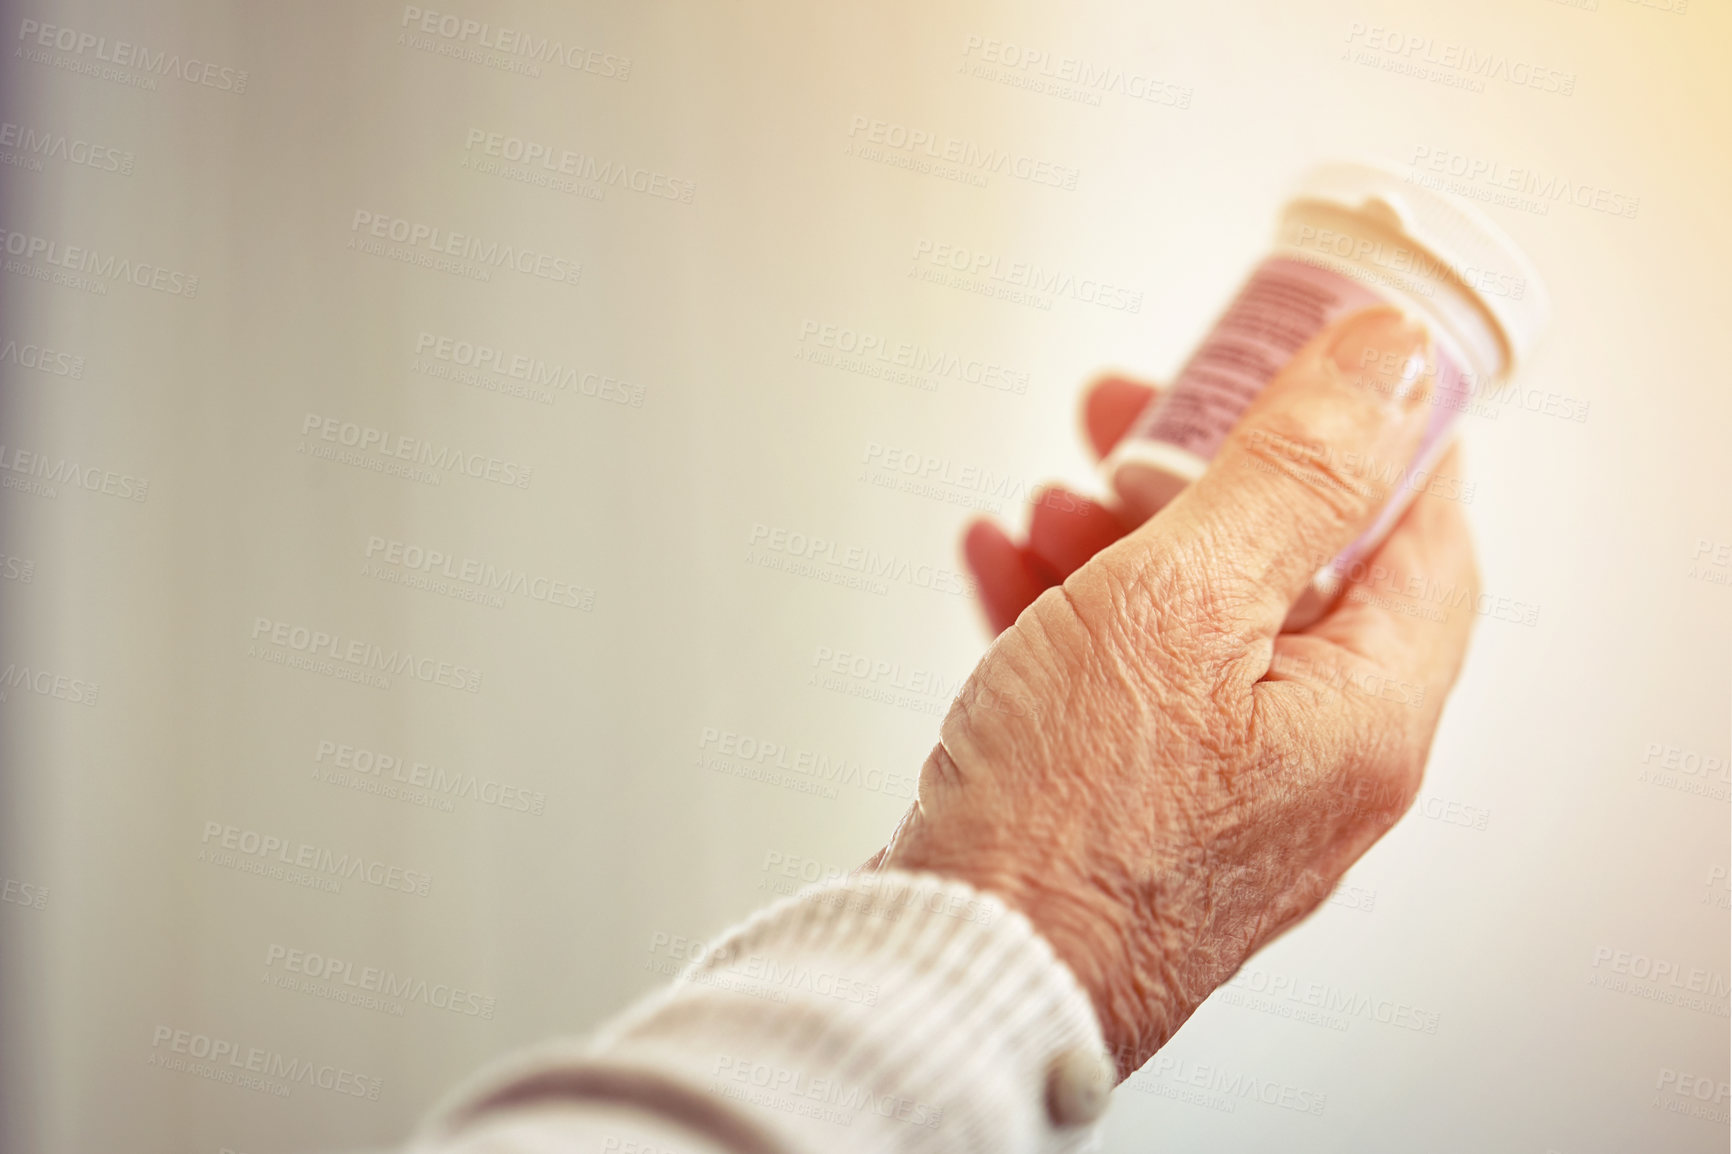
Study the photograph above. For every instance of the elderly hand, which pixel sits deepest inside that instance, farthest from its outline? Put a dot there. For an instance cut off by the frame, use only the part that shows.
(1143, 763)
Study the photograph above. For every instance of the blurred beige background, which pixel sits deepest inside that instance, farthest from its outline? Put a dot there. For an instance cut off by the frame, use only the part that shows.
(653, 494)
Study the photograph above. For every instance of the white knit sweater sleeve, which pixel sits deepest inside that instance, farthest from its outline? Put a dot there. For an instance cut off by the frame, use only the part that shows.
(886, 1013)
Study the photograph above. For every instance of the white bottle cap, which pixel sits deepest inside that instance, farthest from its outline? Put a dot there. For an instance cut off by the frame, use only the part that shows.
(1459, 236)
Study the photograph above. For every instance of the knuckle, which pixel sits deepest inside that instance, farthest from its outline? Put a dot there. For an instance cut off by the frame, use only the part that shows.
(1290, 451)
(1149, 618)
(1015, 686)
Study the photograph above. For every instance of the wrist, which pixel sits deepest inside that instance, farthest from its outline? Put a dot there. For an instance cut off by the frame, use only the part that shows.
(1123, 953)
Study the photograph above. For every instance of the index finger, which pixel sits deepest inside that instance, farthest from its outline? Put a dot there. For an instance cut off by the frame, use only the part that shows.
(1111, 405)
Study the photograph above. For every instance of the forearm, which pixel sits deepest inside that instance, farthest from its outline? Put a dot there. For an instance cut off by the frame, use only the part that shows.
(887, 1012)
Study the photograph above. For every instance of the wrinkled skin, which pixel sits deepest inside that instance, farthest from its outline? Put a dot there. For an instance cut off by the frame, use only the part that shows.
(1143, 763)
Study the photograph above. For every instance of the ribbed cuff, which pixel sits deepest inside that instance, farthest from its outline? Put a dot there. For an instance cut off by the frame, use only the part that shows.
(883, 1012)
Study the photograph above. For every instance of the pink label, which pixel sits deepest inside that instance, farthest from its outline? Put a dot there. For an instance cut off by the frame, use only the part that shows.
(1284, 304)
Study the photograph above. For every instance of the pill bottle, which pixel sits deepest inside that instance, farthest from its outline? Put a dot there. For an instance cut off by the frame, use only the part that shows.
(1353, 236)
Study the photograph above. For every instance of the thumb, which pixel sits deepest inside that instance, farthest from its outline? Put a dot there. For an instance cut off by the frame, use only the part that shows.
(1308, 465)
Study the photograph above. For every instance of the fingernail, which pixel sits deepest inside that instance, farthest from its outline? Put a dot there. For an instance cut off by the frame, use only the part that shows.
(1383, 351)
